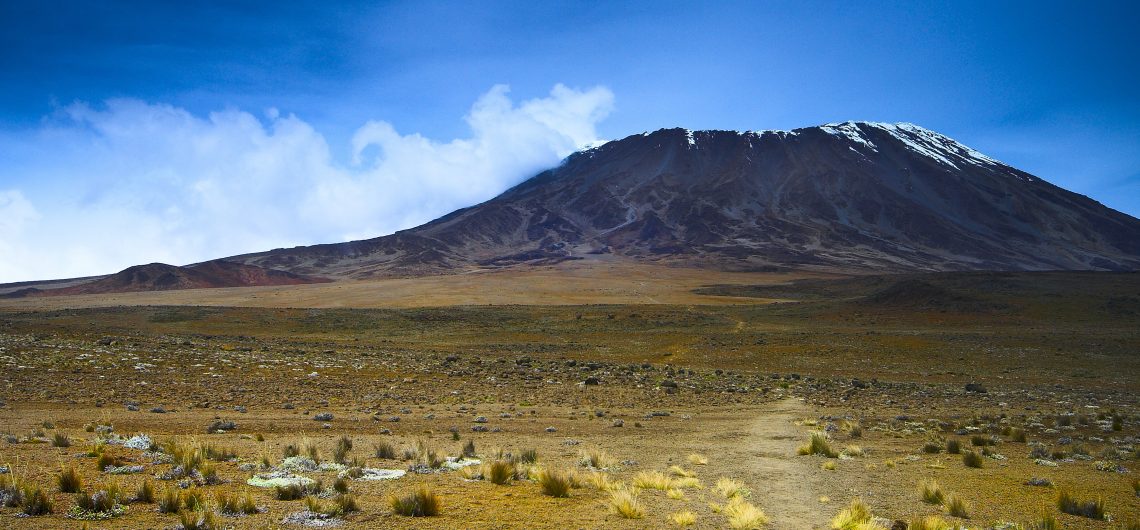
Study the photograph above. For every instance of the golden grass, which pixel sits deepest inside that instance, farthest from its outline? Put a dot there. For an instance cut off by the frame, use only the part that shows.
(678, 471)
(595, 458)
(852, 517)
(957, 507)
(625, 504)
(729, 488)
(697, 459)
(683, 519)
(652, 480)
(554, 483)
(743, 515)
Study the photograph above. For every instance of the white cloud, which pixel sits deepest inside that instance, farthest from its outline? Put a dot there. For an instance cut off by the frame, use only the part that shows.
(100, 189)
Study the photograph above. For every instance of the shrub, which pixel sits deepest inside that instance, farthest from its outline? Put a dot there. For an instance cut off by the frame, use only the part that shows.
(554, 483)
(818, 446)
(953, 446)
(1018, 435)
(102, 501)
(500, 472)
(931, 492)
(742, 515)
(624, 504)
(683, 519)
(340, 485)
(852, 517)
(385, 451)
(729, 488)
(932, 447)
(420, 503)
(854, 451)
(528, 456)
(291, 450)
(469, 449)
(957, 507)
(60, 439)
(828, 465)
(972, 459)
(698, 459)
(1067, 503)
(34, 501)
(69, 480)
(145, 493)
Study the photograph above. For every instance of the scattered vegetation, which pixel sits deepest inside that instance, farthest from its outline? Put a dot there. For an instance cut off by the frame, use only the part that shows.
(698, 459)
(235, 504)
(60, 439)
(972, 459)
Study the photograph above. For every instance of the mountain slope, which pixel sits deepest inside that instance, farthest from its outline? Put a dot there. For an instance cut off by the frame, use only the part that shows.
(163, 277)
(855, 196)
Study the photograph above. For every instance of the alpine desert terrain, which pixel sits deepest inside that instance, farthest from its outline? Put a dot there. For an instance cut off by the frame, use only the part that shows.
(850, 326)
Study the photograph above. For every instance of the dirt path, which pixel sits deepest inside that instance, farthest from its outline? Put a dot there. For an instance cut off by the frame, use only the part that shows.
(787, 487)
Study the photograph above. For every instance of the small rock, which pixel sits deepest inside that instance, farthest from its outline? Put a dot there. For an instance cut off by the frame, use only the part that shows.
(976, 388)
(324, 416)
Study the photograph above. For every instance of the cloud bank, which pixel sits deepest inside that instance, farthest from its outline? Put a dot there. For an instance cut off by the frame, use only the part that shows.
(97, 189)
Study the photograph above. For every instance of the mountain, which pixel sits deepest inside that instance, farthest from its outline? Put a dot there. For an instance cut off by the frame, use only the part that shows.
(163, 277)
(853, 196)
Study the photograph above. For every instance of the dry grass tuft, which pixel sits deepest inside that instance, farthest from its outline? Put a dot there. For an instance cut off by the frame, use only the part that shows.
(651, 480)
(69, 480)
(957, 507)
(678, 471)
(1067, 503)
(852, 517)
(972, 459)
(743, 515)
(500, 472)
(931, 492)
(930, 522)
(698, 459)
(624, 504)
(554, 483)
(729, 488)
(818, 446)
(385, 451)
(602, 482)
(595, 458)
(420, 503)
(683, 519)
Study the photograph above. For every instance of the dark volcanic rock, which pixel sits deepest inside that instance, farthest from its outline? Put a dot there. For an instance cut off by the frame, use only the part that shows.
(853, 196)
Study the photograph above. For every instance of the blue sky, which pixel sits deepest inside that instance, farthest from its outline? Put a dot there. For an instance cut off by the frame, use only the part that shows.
(133, 132)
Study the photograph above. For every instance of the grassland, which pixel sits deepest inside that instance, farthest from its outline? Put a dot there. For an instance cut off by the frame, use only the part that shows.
(878, 365)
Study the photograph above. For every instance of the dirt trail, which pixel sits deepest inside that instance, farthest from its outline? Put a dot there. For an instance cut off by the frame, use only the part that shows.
(786, 487)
